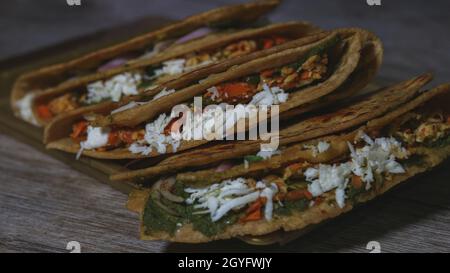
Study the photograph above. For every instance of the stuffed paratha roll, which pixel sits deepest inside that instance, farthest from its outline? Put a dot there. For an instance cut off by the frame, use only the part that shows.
(146, 76)
(307, 183)
(291, 78)
(105, 61)
(337, 119)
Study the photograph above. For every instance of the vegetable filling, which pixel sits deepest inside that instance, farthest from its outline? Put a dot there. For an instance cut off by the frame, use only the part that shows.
(297, 187)
(263, 88)
(138, 81)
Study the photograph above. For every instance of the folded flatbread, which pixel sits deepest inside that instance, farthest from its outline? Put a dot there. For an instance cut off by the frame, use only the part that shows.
(72, 75)
(294, 74)
(307, 182)
(343, 117)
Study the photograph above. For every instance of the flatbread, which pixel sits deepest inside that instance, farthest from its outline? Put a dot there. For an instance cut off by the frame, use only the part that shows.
(327, 209)
(349, 61)
(335, 121)
(49, 76)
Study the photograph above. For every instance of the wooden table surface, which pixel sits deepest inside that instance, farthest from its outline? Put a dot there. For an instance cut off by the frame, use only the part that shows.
(44, 204)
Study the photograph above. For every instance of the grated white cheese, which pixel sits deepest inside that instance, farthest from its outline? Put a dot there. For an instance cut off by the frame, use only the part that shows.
(172, 67)
(269, 96)
(155, 139)
(220, 198)
(97, 137)
(311, 174)
(113, 89)
(377, 155)
(176, 67)
(234, 203)
(212, 121)
(217, 123)
(329, 177)
(25, 109)
(267, 154)
(321, 147)
(204, 124)
(260, 185)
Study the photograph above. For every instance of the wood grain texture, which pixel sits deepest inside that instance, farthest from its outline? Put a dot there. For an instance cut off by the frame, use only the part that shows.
(44, 204)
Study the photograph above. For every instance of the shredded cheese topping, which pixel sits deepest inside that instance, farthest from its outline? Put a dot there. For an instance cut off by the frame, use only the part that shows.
(96, 138)
(208, 124)
(205, 124)
(25, 110)
(321, 147)
(267, 154)
(219, 199)
(269, 96)
(377, 155)
(172, 67)
(176, 67)
(155, 139)
(120, 85)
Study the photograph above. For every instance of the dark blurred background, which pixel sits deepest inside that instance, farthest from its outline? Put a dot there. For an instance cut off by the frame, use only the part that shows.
(415, 33)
